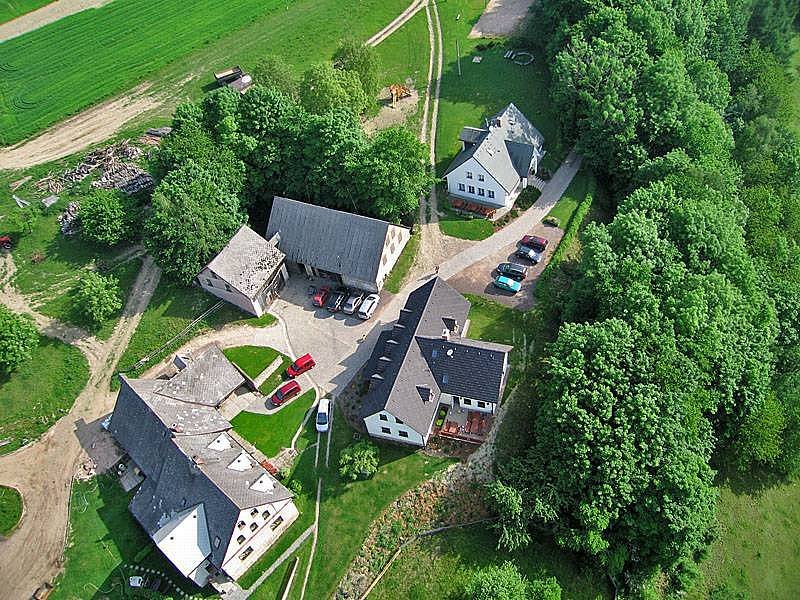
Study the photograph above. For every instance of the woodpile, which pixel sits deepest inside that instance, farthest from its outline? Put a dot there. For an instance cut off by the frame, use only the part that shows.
(117, 166)
(398, 92)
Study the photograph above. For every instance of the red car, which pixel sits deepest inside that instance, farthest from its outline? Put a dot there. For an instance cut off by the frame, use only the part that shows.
(285, 393)
(321, 296)
(534, 241)
(300, 366)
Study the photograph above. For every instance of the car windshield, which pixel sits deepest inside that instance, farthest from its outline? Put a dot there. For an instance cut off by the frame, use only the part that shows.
(279, 395)
(322, 418)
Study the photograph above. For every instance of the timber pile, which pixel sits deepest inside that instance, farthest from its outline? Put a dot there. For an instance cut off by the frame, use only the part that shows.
(68, 220)
(115, 162)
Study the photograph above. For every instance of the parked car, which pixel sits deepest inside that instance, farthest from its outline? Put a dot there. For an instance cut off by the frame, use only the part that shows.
(534, 241)
(5, 242)
(321, 297)
(354, 300)
(285, 393)
(323, 415)
(513, 270)
(369, 306)
(529, 253)
(507, 284)
(300, 366)
(336, 300)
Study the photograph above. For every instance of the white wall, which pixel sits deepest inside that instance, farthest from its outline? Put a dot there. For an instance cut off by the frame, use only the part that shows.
(459, 175)
(375, 425)
(396, 240)
(469, 403)
(214, 285)
(260, 539)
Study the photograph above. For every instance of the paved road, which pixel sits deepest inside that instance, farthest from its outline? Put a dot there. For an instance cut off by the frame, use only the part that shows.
(551, 194)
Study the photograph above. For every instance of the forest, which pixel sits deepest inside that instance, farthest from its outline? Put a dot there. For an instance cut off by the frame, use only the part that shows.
(677, 352)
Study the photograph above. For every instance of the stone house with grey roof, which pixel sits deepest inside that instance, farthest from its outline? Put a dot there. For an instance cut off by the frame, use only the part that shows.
(354, 250)
(425, 363)
(496, 162)
(208, 505)
(248, 272)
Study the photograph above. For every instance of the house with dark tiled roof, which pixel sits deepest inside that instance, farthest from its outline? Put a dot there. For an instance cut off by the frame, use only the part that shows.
(208, 505)
(497, 161)
(355, 250)
(248, 272)
(425, 369)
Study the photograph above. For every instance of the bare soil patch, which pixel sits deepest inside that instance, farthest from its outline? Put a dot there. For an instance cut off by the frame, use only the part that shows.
(388, 115)
(501, 18)
(44, 15)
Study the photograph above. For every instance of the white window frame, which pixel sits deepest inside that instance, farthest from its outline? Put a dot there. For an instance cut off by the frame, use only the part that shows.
(471, 189)
(481, 192)
(462, 187)
(480, 176)
(469, 174)
(491, 193)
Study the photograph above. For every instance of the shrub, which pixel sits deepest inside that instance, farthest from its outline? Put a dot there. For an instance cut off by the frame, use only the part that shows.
(359, 461)
(284, 473)
(18, 338)
(497, 583)
(295, 487)
(99, 296)
(106, 217)
(544, 589)
(552, 221)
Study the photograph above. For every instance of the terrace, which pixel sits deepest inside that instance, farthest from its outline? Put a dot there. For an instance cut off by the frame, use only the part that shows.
(459, 423)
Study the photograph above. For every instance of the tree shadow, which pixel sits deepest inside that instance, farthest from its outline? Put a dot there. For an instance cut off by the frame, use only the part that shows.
(752, 482)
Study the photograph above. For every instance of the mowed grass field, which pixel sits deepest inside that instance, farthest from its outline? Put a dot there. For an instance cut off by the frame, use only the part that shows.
(11, 9)
(57, 70)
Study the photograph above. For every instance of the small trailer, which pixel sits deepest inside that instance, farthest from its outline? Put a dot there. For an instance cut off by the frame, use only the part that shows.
(229, 75)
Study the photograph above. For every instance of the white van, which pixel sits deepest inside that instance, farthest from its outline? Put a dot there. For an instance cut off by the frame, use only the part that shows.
(323, 415)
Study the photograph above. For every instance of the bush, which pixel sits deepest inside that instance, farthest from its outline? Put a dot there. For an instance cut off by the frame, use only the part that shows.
(527, 198)
(99, 296)
(544, 589)
(18, 338)
(107, 217)
(295, 487)
(552, 221)
(359, 461)
(497, 583)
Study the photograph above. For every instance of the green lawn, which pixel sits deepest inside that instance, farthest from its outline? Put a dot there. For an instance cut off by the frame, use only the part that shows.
(11, 9)
(175, 45)
(486, 87)
(440, 566)
(172, 308)
(757, 554)
(274, 380)
(251, 359)
(272, 588)
(10, 510)
(576, 192)
(400, 270)
(405, 54)
(464, 227)
(104, 541)
(39, 392)
(271, 433)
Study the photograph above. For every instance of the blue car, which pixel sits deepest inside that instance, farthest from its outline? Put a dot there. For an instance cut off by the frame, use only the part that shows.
(507, 284)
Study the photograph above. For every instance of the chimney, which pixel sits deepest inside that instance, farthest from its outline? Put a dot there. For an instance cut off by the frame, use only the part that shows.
(446, 334)
(176, 427)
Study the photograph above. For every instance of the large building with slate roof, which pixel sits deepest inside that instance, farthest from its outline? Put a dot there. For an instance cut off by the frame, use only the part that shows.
(355, 250)
(248, 272)
(426, 361)
(496, 162)
(205, 501)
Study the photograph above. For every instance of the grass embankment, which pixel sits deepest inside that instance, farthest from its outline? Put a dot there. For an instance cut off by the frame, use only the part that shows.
(273, 588)
(440, 566)
(480, 91)
(394, 282)
(251, 359)
(104, 542)
(11, 9)
(42, 85)
(172, 308)
(271, 433)
(581, 185)
(39, 392)
(10, 510)
(277, 377)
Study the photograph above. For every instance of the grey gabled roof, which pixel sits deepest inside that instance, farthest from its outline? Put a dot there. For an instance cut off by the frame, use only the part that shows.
(208, 379)
(247, 261)
(504, 150)
(331, 240)
(419, 360)
(184, 448)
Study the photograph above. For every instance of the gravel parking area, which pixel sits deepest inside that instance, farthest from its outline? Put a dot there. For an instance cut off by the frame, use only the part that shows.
(478, 278)
(501, 18)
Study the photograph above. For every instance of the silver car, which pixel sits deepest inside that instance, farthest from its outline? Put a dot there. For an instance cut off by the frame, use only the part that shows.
(353, 302)
(369, 306)
(529, 253)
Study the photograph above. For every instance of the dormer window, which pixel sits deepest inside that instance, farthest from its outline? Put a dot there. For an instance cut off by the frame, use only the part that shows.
(217, 542)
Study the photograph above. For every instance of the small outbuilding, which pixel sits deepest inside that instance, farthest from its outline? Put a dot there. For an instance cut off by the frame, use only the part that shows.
(248, 272)
(355, 250)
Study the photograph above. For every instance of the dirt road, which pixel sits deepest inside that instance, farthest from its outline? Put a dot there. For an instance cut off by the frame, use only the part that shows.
(43, 471)
(44, 15)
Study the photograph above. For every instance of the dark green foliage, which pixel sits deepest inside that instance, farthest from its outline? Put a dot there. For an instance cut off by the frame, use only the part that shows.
(506, 503)
(325, 88)
(193, 217)
(108, 217)
(359, 461)
(353, 55)
(98, 295)
(18, 338)
(275, 73)
(503, 582)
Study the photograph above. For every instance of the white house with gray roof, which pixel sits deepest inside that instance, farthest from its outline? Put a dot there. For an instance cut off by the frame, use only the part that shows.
(425, 362)
(208, 505)
(248, 272)
(496, 162)
(358, 251)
